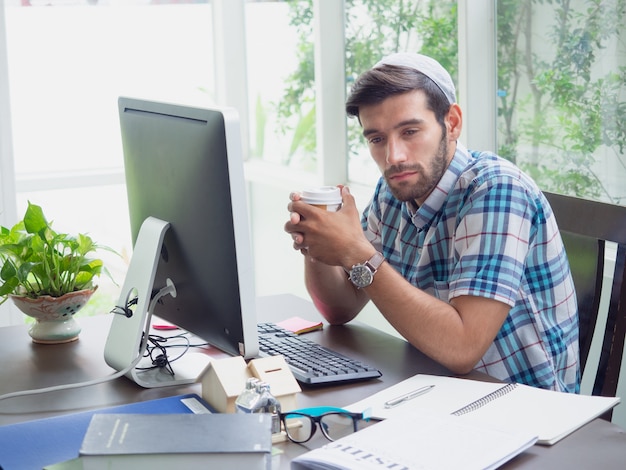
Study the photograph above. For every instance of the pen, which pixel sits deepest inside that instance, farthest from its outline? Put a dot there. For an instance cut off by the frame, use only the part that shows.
(408, 396)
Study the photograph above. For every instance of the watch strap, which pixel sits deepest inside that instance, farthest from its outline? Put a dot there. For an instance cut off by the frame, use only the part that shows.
(375, 261)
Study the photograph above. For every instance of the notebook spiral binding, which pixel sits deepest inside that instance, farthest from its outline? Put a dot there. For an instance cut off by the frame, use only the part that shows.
(484, 400)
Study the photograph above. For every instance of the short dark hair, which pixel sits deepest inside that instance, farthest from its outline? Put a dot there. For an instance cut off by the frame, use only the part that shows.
(377, 84)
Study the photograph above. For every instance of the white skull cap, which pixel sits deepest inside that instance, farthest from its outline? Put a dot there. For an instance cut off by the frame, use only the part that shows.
(426, 65)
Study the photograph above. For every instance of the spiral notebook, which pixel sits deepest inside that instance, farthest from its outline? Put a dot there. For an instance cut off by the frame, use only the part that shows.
(551, 415)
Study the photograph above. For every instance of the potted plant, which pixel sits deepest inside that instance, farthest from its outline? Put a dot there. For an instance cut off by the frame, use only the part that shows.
(48, 275)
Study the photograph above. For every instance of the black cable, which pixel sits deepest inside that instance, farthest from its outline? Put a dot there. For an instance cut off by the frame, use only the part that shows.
(157, 351)
(126, 310)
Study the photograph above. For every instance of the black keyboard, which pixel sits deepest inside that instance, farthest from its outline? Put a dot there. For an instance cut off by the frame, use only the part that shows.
(309, 362)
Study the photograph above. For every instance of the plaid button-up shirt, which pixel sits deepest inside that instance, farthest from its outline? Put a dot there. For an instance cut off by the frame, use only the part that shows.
(487, 231)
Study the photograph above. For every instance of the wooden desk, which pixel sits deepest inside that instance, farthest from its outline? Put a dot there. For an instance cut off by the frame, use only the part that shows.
(26, 365)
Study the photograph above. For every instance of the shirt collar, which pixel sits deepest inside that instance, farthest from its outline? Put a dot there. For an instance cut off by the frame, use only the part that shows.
(422, 215)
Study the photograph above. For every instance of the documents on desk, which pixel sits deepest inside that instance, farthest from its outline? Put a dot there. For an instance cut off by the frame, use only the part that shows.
(419, 439)
(550, 415)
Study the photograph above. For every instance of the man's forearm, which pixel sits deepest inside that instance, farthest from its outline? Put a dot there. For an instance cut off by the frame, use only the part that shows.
(331, 291)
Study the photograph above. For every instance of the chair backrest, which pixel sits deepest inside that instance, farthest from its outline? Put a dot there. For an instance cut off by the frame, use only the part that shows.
(591, 231)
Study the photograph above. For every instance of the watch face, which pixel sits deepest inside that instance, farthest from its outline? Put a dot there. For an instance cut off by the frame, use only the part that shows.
(361, 276)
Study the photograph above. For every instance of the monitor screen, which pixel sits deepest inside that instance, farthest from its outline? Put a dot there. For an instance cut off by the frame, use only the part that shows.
(184, 166)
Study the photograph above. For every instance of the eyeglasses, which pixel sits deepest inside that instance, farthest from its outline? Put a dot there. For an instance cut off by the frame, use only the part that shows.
(300, 425)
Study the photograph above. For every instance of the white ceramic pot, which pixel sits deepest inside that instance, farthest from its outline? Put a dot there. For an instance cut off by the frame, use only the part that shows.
(54, 316)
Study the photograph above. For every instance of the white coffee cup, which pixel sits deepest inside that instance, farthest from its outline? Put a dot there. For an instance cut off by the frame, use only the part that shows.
(325, 197)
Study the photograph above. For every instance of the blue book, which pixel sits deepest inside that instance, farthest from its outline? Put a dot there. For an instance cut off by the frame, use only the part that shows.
(179, 441)
(36, 444)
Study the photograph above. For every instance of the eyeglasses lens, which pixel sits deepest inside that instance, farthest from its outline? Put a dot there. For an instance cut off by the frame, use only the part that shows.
(299, 427)
(336, 426)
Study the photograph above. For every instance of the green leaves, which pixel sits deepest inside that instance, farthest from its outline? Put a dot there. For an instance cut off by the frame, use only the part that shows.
(568, 126)
(373, 28)
(38, 261)
(34, 220)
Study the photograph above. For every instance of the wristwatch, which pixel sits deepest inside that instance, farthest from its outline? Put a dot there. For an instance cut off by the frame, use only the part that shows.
(362, 274)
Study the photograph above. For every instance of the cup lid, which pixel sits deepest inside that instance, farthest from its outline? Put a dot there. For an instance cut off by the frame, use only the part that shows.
(322, 195)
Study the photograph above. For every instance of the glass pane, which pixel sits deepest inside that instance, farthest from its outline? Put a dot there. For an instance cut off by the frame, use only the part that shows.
(375, 28)
(562, 94)
(280, 82)
(337, 425)
(283, 115)
(68, 63)
(299, 427)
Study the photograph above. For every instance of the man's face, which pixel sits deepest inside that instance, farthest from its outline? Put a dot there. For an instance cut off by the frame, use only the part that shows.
(407, 143)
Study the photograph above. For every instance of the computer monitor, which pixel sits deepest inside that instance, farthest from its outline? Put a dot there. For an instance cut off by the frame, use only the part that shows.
(189, 223)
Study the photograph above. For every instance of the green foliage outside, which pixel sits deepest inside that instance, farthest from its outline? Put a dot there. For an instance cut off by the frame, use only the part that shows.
(429, 27)
(561, 110)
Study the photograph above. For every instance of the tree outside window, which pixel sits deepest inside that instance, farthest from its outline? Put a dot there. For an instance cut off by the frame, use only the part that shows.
(374, 28)
(562, 93)
(561, 83)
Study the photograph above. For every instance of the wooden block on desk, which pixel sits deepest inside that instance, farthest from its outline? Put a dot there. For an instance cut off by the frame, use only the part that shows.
(283, 385)
(224, 379)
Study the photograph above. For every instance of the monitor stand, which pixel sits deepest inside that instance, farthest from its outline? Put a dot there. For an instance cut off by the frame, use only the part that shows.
(127, 340)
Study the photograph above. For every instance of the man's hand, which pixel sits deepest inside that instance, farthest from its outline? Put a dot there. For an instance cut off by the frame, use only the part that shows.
(334, 238)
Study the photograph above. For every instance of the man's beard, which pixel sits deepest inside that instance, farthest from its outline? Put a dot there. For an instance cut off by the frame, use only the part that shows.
(428, 178)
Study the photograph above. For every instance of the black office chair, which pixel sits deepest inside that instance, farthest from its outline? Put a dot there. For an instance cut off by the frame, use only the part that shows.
(589, 230)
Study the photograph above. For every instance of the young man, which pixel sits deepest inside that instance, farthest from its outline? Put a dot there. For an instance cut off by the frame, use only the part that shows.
(458, 250)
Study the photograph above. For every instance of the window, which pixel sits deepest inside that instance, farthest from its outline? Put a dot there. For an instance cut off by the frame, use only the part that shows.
(67, 65)
(373, 28)
(162, 50)
(279, 49)
(562, 94)
(428, 27)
